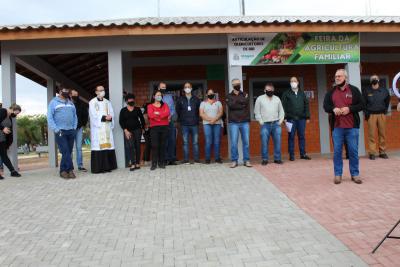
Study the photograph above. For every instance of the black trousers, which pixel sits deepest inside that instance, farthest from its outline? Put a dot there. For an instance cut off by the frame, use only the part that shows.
(4, 156)
(147, 146)
(133, 147)
(158, 135)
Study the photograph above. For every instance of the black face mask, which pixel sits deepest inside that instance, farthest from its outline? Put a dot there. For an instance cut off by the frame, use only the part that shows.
(65, 94)
(341, 84)
(131, 103)
(269, 93)
(75, 98)
(13, 115)
(163, 90)
(374, 82)
(237, 87)
(212, 96)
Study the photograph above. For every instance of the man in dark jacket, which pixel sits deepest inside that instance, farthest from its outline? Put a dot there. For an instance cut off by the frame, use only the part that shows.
(239, 121)
(377, 100)
(344, 102)
(82, 114)
(187, 108)
(297, 112)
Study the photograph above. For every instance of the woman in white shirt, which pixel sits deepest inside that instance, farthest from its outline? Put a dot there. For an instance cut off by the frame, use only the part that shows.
(211, 112)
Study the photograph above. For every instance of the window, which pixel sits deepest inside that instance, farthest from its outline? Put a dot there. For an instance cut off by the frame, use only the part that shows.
(257, 85)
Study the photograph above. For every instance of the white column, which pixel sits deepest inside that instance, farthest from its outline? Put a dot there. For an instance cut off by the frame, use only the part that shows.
(127, 71)
(53, 154)
(235, 72)
(353, 70)
(9, 97)
(323, 117)
(115, 85)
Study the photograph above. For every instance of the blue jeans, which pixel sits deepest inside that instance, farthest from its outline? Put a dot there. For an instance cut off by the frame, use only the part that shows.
(65, 141)
(268, 129)
(350, 136)
(299, 127)
(244, 129)
(194, 132)
(78, 147)
(170, 147)
(212, 135)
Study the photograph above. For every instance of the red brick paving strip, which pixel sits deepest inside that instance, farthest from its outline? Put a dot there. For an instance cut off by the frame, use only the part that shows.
(358, 215)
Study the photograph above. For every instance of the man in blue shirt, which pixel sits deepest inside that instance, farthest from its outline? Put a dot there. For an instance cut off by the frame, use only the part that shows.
(61, 118)
(168, 98)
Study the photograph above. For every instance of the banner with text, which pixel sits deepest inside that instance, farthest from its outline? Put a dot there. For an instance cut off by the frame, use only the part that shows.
(293, 48)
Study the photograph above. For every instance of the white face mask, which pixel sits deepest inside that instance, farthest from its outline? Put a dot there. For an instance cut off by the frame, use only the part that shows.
(101, 94)
(294, 85)
(188, 90)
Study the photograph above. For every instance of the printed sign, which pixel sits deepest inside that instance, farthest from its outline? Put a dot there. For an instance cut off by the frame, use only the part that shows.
(293, 48)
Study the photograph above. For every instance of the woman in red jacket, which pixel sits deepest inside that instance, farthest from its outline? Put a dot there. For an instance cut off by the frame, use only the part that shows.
(158, 114)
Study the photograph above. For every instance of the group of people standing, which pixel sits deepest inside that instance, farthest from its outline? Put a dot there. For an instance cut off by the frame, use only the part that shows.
(159, 120)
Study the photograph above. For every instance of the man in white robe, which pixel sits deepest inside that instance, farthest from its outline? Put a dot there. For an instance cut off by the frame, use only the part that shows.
(101, 115)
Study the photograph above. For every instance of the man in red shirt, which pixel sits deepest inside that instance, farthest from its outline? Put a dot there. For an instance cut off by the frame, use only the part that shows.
(344, 102)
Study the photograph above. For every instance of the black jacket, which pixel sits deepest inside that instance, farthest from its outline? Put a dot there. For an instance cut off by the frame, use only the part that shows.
(188, 117)
(296, 106)
(356, 106)
(82, 114)
(376, 101)
(9, 137)
(238, 107)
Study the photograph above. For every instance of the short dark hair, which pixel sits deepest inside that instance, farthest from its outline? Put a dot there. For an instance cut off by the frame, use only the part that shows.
(61, 86)
(129, 96)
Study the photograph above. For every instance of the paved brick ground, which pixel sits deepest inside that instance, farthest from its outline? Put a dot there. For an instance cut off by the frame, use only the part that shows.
(193, 215)
(359, 215)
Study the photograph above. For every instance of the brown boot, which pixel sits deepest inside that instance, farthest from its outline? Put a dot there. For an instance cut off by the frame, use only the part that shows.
(337, 180)
(64, 175)
(71, 175)
(356, 179)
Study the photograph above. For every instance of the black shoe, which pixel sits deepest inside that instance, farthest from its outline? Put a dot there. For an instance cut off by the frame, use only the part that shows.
(153, 167)
(172, 162)
(132, 169)
(383, 156)
(291, 158)
(15, 174)
(219, 161)
(207, 161)
(197, 161)
(1, 177)
(371, 157)
(264, 162)
(83, 169)
(306, 157)
(278, 161)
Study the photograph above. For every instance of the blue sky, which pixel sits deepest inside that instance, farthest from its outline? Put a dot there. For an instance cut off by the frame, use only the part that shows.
(31, 95)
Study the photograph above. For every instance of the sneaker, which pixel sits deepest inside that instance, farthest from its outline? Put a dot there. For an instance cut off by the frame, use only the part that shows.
(337, 180)
(219, 161)
(207, 161)
(15, 174)
(291, 158)
(132, 169)
(82, 169)
(306, 157)
(64, 175)
(186, 162)
(371, 156)
(248, 164)
(356, 179)
(278, 161)
(383, 156)
(153, 167)
(71, 175)
(264, 162)
(234, 164)
(197, 161)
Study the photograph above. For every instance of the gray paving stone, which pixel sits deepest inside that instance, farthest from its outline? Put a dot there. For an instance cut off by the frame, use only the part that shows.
(193, 215)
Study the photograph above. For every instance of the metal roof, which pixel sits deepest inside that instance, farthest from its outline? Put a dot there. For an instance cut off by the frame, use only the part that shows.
(220, 20)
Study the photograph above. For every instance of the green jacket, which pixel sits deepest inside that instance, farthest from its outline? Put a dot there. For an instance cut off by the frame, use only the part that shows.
(296, 106)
